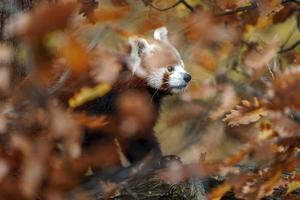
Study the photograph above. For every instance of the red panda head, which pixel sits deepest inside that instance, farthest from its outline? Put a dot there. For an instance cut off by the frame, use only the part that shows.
(158, 62)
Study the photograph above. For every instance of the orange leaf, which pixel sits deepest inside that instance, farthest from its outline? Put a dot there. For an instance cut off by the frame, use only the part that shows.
(75, 54)
(219, 191)
(46, 18)
(110, 14)
(246, 113)
(92, 122)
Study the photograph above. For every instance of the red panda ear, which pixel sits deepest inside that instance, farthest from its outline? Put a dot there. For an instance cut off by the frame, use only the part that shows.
(161, 34)
(138, 46)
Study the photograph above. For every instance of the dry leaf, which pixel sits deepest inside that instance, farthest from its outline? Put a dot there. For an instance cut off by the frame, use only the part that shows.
(42, 20)
(76, 54)
(228, 100)
(294, 185)
(245, 113)
(87, 94)
(284, 91)
(267, 7)
(110, 14)
(87, 8)
(219, 191)
(256, 60)
(92, 122)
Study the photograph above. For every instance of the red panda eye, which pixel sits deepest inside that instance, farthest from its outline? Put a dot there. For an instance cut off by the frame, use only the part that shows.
(170, 68)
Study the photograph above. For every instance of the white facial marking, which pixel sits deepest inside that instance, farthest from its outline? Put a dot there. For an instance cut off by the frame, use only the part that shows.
(176, 79)
(155, 79)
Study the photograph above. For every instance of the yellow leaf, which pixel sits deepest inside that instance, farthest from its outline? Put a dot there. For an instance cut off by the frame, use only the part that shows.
(219, 191)
(264, 21)
(293, 186)
(87, 94)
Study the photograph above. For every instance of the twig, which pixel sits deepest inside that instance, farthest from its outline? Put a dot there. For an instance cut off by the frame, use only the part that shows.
(290, 1)
(250, 7)
(238, 10)
(289, 36)
(290, 48)
(188, 6)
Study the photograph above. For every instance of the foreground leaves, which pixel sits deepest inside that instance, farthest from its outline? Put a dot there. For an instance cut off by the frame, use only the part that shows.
(245, 113)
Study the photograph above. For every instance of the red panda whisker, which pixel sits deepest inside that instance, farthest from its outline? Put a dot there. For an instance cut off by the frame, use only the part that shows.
(154, 94)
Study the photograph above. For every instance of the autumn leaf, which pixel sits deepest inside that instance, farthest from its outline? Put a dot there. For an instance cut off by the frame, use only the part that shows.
(87, 94)
(87, 8)
(206, 59)
(42, 20)
(268, 185)
(228, 100)
(219, 191)
(104, 14)
(257, 59)
(93, 122)
(76, 54)
(267, 7)
(294, 185)
(245, 113)
(285, 89)
(119, 2)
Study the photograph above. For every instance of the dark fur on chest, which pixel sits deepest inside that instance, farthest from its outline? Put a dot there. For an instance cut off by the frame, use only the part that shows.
(130, 99)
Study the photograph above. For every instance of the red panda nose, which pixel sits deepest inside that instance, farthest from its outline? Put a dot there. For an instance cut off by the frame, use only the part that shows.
(187, 77)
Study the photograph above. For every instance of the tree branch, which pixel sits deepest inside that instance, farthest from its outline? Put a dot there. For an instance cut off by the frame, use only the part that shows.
(238, 10)
(250, 7)
(284, 50)
(188, 6)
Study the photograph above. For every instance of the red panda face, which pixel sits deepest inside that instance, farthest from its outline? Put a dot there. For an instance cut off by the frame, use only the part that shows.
(158, 62)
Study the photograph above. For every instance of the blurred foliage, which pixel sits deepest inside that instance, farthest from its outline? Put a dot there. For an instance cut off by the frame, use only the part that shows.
(242, 106)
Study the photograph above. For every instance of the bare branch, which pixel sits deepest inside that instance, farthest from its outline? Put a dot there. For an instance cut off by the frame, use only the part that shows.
(290, 48)
(250, 7)
(238, 10)
(188, 6)
(170, 7)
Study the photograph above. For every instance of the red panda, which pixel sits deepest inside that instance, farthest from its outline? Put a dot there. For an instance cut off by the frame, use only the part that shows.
(152, 70)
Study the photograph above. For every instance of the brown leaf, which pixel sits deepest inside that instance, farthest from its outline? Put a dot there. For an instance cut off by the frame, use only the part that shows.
(218, 192)
(45, 18)
(204, 29)
(257, 59)
(119, 2)
(230, 4)
(93, 122)
(268, 185)
(283, 125)
(87, 8)
(228, 99)
(245, 113)
(76, 54)
(150, 23)
(63, 126)
(110, 14)
(284, 91)
(285, 13)
(105, 65)
(267, 7)
(206, 59)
